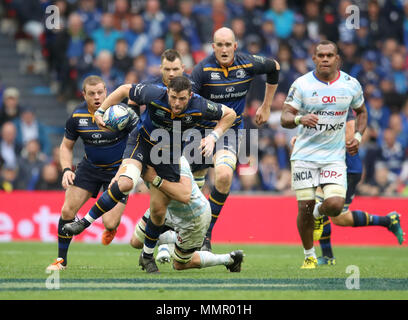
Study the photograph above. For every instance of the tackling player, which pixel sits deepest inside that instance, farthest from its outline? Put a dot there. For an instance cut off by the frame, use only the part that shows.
(165, 108)
(225, 77)
(103, 156)
(187, 224)
(318, 103)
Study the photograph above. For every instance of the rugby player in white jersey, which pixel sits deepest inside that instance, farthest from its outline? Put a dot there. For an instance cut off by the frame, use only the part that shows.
(317, 103)
(185, 226)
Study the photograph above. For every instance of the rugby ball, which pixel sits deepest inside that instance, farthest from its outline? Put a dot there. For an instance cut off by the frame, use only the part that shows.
(116, 117)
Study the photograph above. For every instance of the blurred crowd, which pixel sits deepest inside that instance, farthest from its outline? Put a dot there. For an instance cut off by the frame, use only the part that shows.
(122, 40)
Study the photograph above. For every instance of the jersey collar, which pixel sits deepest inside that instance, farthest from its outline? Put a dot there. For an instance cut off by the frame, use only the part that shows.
(327, 83)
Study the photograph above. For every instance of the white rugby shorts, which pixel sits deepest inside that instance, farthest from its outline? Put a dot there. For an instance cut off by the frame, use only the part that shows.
(310, 174)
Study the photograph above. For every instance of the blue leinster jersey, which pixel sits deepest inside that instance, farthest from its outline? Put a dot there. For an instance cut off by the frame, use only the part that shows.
(228, 85)
(103, 149)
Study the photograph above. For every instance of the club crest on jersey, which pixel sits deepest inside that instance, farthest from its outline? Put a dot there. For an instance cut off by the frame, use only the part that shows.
(215, 76)
(240, 73)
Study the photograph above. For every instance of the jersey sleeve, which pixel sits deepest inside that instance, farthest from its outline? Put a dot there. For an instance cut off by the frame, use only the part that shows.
(294, 97)
(70, 129)
(358, 96)
(145, 93)
(196, 78)
(185, 168)
(263, 65)
(210, 110)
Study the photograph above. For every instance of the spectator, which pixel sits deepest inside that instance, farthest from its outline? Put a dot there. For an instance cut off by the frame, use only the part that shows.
(405, 24)
(348, 55)
(154, 56)
(140, 67)
(238, 26)
(345, 32)
(121, 15)
(399, 73)
(362, 37)
(368, 71)
(377, 24)
(9, 147)
(155, 19)
(391, 96)
(175, 31)
(50, 178)
(112, 77)
(5, 185)
(270, 38)
(396, 124)
(29, 128)
(282, 17)
(10, 109)
(312, 20)
(86, 61)
(121, 59)
(299, 41)
(90, 14)
(30, 163)
(106, 36)
(136, 36)
(183, 47)
(391, 154)
(378, 113)
(189, 23)
(253, 16)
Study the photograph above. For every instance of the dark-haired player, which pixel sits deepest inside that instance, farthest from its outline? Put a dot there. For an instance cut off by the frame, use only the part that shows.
(225, 77)
(176, 106)
(103, 156)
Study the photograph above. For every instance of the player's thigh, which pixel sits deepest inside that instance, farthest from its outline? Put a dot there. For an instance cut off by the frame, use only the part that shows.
(75, 198)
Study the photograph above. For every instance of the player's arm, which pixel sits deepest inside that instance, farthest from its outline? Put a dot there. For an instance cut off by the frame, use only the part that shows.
(271, 68)
(227, 119)
(66, 156)
(291, 119)
(115, 97)
(179, 191)
(353, 143)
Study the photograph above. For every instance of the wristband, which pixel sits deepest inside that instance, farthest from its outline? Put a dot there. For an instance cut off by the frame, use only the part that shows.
(297, 119)
(100, 111)
(157, 181)
(215, 135)
(358, 136)
(65, 170)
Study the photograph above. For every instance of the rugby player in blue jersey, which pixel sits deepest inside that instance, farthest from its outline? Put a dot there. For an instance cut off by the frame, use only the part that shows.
(175, 107)
(225, 77)
(318, 103)
(103, 156)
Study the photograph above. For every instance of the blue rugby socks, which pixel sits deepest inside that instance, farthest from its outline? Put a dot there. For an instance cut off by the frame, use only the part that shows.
(362, 219)
(63, 240)
(325, 239)
(217, 201)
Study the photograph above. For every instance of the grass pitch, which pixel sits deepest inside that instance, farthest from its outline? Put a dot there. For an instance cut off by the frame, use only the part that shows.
(269, 272)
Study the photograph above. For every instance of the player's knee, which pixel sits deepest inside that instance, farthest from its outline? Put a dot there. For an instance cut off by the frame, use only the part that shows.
(125, 184)
(135, 243)
(334, 206)
(223, 176)
(68, 212)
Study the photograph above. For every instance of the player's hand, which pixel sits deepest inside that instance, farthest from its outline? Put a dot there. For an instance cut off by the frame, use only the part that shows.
(352, 146)
(207, 146)
(149, 174)
(262, 115)
(309, 120)
(68, 179)
(99, 121)
(114, 179)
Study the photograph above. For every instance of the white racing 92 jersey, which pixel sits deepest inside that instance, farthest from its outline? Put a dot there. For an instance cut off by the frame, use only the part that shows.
(330, 102)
